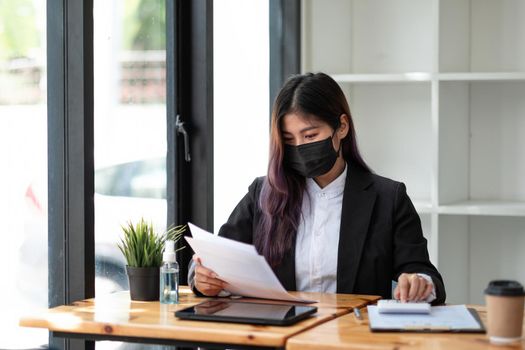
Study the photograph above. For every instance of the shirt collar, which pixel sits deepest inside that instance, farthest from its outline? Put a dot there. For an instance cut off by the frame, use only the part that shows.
(333, 189)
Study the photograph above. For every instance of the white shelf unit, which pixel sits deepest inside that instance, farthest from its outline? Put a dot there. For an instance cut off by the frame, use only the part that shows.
(437, 93)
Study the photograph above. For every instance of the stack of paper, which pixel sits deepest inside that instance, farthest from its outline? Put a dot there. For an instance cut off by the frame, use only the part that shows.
(238, 264)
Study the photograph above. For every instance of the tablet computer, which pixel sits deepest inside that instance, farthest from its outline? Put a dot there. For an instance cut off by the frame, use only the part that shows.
(246, 312)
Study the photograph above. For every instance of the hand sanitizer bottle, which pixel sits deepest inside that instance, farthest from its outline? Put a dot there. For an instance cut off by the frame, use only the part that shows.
(169, 275)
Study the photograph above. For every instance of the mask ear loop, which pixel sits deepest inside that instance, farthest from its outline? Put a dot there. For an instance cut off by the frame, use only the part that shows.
(340, 142)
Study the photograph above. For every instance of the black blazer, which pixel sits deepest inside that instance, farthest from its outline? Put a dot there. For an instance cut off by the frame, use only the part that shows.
(380, 236)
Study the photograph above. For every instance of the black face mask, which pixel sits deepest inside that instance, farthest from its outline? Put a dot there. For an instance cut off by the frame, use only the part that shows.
(311, 159)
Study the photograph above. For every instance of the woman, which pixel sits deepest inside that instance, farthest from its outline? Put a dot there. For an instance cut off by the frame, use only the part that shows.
(320, 217)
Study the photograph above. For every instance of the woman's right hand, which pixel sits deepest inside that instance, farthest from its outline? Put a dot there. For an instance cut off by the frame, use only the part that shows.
(206, 280)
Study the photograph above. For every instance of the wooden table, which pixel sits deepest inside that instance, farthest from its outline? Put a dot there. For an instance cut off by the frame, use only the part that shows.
(346, 332)
(116, 317)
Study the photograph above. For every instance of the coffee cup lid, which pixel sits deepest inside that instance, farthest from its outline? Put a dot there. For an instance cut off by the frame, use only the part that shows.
(505, 288)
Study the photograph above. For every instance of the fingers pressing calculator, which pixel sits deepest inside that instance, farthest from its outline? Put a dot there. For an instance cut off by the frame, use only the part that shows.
(392, 306)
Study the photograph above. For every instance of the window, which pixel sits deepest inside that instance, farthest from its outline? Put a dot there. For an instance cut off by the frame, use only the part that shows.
(130, 127)
(23, 179)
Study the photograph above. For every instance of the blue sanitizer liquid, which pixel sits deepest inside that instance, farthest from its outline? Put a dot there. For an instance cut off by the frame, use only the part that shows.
(169, 283)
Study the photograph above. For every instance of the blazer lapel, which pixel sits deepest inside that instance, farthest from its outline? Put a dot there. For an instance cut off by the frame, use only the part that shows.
(358, 204)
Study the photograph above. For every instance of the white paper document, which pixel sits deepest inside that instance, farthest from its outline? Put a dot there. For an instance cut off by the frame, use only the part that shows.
(440, 318)
(247, 273)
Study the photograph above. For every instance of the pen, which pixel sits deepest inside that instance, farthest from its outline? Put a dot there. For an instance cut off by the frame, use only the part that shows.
(357, 314)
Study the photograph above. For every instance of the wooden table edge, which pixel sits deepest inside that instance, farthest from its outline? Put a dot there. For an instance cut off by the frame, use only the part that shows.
(279, 340)
(191, 335)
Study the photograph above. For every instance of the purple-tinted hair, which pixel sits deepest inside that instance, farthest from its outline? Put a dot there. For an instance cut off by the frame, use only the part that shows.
(311, 95)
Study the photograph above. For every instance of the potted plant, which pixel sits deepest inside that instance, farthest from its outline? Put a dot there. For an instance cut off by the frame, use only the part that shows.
(142, 247)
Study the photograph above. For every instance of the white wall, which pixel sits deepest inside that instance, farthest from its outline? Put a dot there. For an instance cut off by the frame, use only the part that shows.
(241, 100)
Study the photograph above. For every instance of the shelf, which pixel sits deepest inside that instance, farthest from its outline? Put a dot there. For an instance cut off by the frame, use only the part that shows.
(367, 36)
(425, 76)
(480, 141)
(383, 78)
(481, 36)
(435, 89)
(477, 249)
(499, 76)
(479, 207)
(422, 206)
(380, 126)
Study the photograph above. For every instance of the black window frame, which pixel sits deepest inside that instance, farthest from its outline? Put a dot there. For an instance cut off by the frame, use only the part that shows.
(190, 186)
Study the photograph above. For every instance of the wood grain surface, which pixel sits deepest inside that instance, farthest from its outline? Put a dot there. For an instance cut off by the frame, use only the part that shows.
(346, 332)
(117, 315)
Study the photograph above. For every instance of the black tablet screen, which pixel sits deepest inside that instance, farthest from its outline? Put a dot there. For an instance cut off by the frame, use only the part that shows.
(245, 311)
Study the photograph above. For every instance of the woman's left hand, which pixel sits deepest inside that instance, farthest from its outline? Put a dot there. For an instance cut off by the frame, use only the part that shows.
(412, 287)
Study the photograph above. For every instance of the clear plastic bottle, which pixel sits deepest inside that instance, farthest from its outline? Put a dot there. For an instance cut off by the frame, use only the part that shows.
(169, 275)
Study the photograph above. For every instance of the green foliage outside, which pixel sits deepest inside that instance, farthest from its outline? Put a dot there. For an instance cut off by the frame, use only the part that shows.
(22, 28)
(144, 25)
(18, 29)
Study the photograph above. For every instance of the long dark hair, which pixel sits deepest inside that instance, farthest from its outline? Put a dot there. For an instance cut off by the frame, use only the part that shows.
(310, 95)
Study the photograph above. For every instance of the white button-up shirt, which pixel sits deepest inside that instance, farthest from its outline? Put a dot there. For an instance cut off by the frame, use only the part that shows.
(317, 244)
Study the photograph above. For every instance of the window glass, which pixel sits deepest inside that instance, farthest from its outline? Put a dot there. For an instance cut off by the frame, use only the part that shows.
(23, 179)
(130, 130)
(130, 127)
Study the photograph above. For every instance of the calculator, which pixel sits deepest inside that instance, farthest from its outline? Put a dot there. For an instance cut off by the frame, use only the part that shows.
(392, 306)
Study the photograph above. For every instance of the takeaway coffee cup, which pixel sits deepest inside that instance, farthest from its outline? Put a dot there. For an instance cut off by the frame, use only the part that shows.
(504, 311)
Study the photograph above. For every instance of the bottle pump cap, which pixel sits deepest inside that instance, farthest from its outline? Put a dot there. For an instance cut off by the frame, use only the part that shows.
(169, 251)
